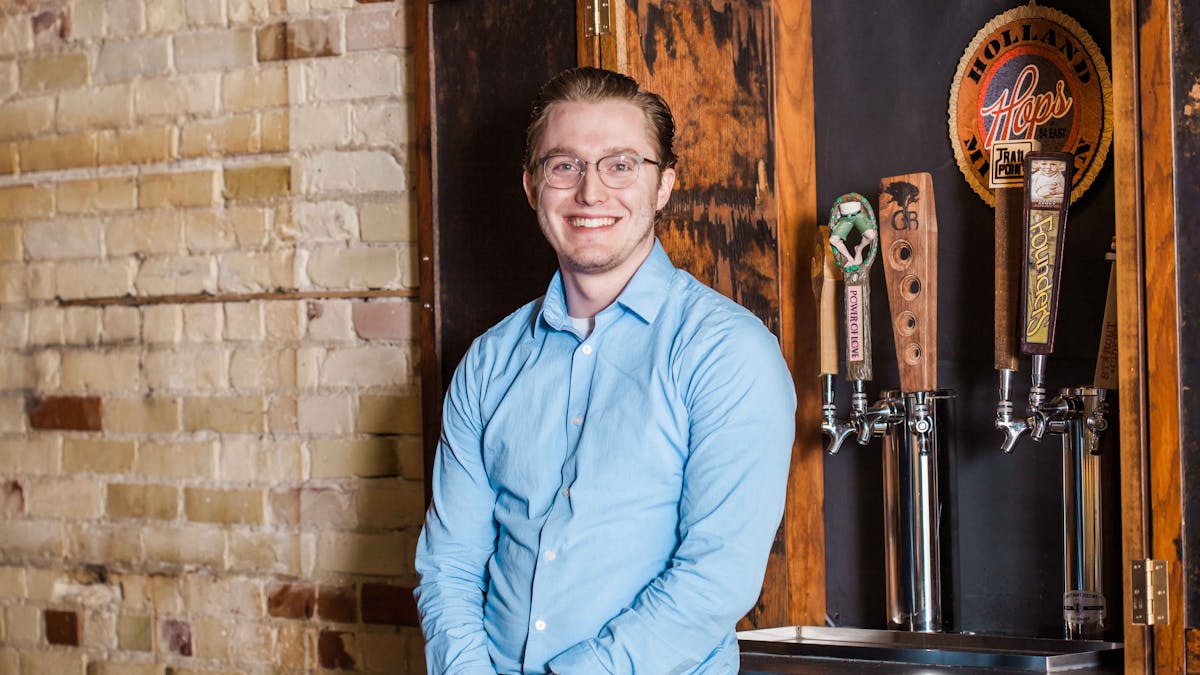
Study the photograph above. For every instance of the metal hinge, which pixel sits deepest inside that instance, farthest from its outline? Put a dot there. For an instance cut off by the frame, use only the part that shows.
(597, 18)
(1149, 583)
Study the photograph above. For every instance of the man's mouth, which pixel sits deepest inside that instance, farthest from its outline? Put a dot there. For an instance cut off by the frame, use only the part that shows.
(590, 222)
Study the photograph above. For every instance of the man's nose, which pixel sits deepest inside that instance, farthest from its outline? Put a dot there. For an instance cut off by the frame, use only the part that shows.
(591, 190)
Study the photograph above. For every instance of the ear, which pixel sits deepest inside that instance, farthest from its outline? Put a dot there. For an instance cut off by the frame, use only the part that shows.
(666, 182)
(530, 192)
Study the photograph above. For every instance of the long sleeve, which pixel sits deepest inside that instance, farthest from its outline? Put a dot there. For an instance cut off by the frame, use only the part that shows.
(458, 538)
(741, 405)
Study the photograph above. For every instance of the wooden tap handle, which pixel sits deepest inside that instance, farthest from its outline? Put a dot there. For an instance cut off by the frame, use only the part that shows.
(1047, 196)
(1106, 358)
(826, 291)
(1009, 209)
(853, 242)
(908, 235)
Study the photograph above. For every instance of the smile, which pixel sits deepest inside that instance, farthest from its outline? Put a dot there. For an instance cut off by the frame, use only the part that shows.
(590, 222)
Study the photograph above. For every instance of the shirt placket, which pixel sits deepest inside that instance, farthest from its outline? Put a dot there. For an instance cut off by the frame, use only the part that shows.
(550, 561)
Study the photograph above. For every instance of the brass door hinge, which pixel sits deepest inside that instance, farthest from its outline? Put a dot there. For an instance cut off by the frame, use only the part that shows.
(597, 17)
(1149, 583)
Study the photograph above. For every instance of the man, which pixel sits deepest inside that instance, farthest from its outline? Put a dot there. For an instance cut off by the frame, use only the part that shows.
(613, 457)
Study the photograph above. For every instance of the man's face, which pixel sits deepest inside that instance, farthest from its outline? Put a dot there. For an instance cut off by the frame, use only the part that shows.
(593, 228)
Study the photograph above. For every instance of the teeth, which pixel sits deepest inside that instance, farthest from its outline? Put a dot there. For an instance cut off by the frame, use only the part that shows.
(592, 222)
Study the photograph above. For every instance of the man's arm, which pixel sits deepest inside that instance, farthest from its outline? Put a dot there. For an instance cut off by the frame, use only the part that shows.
(459, 536)
(741, 404)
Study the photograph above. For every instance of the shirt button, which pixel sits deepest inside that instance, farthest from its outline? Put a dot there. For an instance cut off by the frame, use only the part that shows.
(587, 349)
(551, 555)
(539, 624)
(577, 420)
(567, 492)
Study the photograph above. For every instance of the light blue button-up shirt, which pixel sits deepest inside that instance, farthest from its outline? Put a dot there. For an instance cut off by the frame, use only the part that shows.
(606, 504)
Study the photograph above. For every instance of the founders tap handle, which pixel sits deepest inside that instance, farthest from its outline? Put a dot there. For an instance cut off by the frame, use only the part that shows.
(853, 241)
(1047, 195)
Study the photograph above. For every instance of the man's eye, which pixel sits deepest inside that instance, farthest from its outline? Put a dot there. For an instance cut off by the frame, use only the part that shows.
(620, 166)
(564, 167)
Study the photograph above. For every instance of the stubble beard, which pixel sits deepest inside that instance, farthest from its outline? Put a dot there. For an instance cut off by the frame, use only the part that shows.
(591, 261)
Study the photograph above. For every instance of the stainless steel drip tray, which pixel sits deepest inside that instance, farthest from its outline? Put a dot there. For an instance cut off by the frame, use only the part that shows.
(769, 649)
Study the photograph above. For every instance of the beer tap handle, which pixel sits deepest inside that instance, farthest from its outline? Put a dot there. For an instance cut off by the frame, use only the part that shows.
(1047, 196)
(1106, 360)
(908, 235)
(1006, 177)
(853, 241)
(825, 275)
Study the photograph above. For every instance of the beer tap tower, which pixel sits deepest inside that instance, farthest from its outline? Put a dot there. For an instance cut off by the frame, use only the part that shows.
(915, 421)
(1077, 414)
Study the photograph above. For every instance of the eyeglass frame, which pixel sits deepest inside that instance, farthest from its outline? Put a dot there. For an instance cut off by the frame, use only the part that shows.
(631, 155)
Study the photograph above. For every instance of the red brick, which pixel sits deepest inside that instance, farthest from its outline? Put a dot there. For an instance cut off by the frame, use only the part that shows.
(375, 30)
(331, 649)
(74, 413)
(291, 601)
(62, 628)
(390, 605)
(177, 637)
(337, 604)
(385, 320)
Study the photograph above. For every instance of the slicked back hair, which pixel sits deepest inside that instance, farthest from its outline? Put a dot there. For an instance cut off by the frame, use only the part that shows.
(591, 85)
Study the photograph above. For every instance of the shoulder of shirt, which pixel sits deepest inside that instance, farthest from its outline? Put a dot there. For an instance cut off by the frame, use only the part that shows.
(510, 330)
(702, 309)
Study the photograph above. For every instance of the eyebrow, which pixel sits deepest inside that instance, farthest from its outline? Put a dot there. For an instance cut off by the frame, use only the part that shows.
(622, 150)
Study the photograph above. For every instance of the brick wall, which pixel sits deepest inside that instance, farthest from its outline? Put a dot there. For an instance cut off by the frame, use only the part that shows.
(209, 414)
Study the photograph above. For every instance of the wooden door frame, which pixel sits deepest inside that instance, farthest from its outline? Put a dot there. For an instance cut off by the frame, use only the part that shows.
(1143, 156)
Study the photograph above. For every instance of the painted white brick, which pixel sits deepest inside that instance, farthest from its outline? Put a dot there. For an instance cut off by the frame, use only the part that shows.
(119, 61)
(61, 239)
(177, 274)
(357, 171)
(203, 322)
(14, 327)
(367, 366)
(95, 279)
(326, 414)
(196, 94)
(382, 124)
(325, 221)
(162, 324)
(214, 50)
(319, 126)
(354, 76)
(335, 267)
(332, 321)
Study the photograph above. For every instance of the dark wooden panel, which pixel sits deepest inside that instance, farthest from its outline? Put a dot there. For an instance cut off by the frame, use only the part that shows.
(712, 62)
(1185, 64)
(882, 75)
(478, 63)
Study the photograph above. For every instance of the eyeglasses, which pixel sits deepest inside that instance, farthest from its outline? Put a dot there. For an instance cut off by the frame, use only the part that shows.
(615, 171)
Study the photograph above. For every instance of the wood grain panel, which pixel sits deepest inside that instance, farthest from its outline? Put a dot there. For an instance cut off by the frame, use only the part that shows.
(712, 63)
(1130, 303)
(1162, 354)
(795, 152)
(908, 248)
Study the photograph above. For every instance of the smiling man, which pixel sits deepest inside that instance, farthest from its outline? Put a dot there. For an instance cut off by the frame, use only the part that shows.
(613, 457)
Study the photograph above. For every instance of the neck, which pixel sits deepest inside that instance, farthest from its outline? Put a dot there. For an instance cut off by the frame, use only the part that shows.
(589, 293)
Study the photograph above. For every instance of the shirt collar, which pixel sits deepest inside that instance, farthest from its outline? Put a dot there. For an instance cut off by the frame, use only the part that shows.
(644, 295)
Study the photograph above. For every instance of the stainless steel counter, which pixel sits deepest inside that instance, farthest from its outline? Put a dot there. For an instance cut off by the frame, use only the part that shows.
(819, 650)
